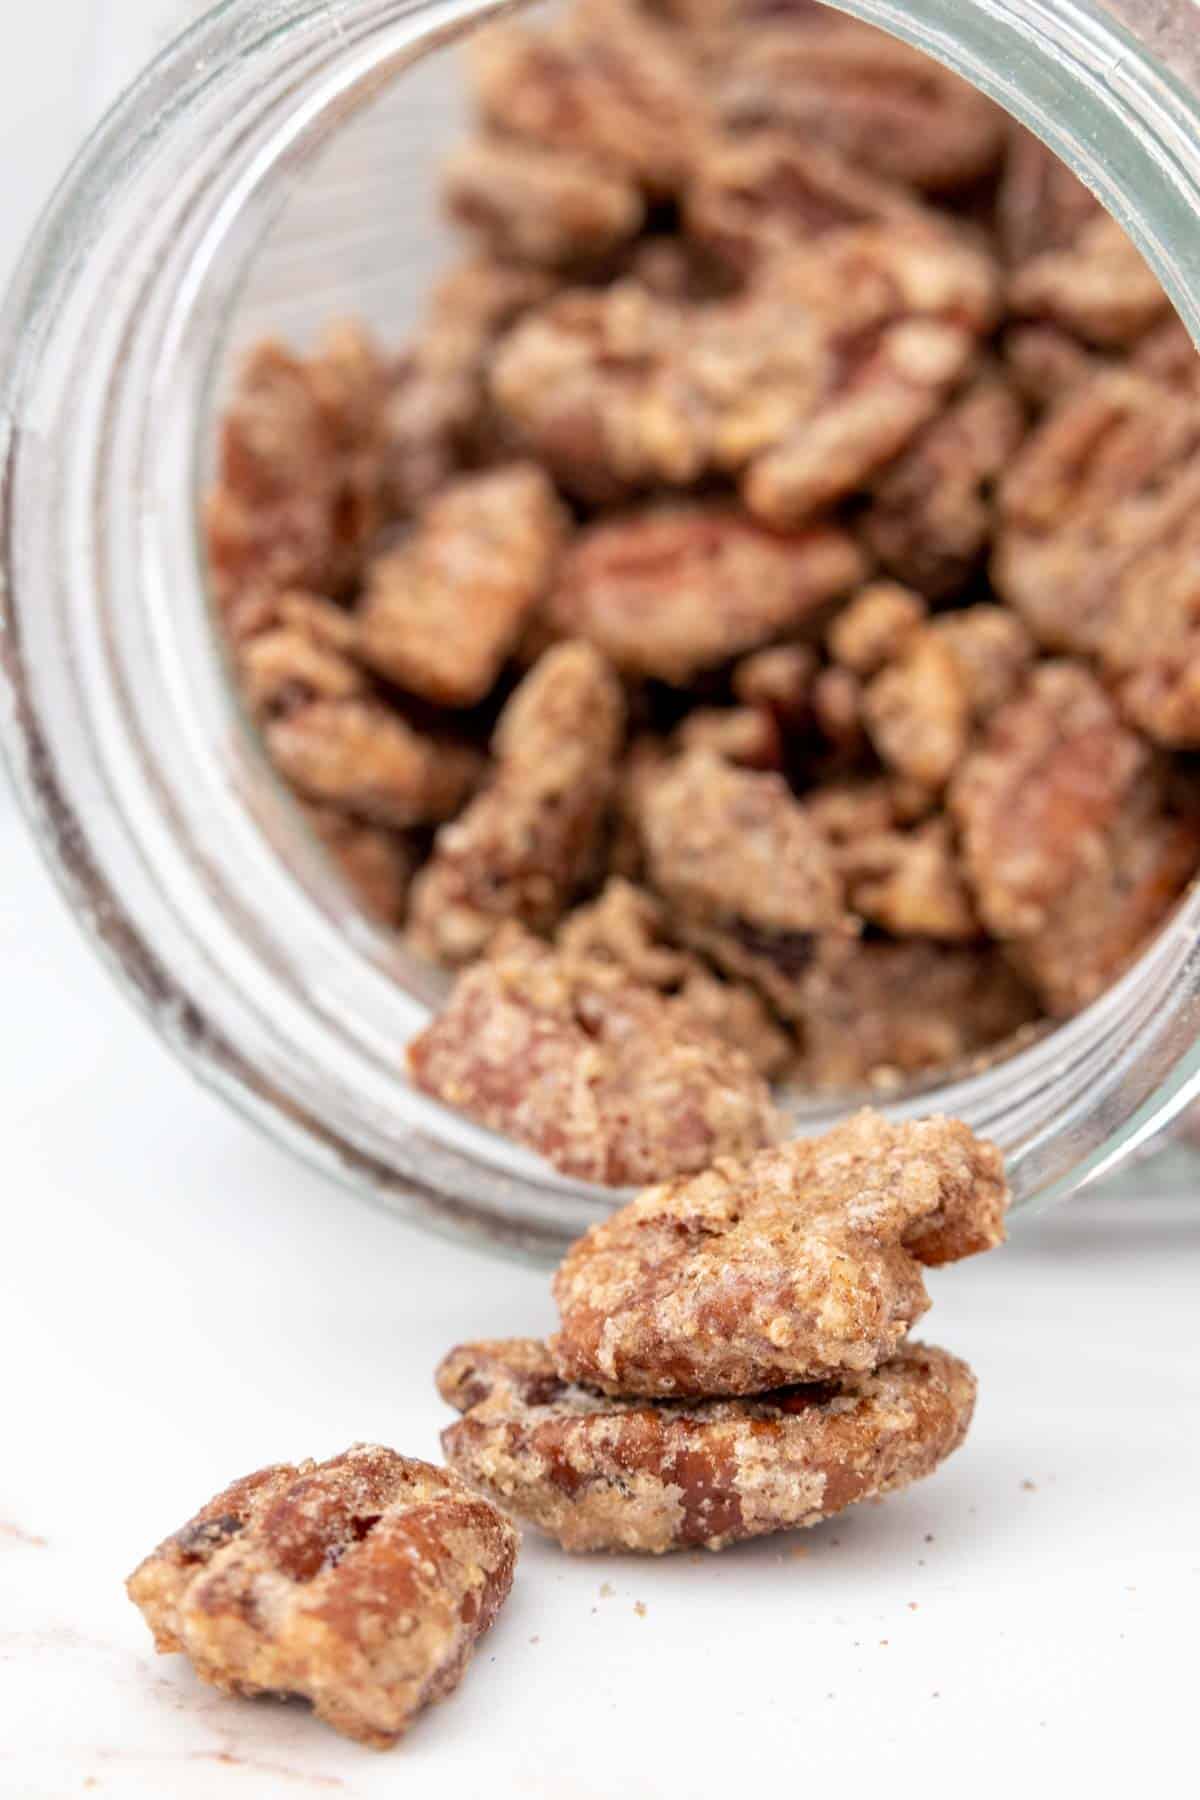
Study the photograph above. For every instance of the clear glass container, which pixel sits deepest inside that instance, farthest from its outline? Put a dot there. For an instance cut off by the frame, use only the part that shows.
(274, 167)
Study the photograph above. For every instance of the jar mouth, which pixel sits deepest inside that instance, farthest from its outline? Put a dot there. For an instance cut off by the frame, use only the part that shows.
(188, 865)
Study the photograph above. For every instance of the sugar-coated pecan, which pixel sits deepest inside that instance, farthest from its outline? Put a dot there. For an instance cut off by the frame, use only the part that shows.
(1045, 363)
(911, 883)
(601, 81)
(360, 1584)
(837, 710)
(440, 614)
(294, 648)
(918, 710)
(299, 488)
(521, 847)
(873, 627)
(603, 1474)
(745, 735)
(363, 758)
(546, 207)
(670, 591)
(436, 422)
(1069, 838)
(750, 879)
(779, 681)
(930, 518)
(1111, 473)
(800, 1263)
(1041, 206)
(377, 865)
(875, 1013)
(884, 105)
(752, 198)
(609, 1080)
(1099, 287)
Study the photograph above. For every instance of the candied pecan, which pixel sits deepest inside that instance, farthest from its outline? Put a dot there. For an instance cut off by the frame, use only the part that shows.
(750, 878)
(931, 514)
(837, 707)
(1151, 643)
(873, 627)
(441, 613)
(627, 928)
(743, 735)
(800, 1263)
(540, 206)
(876, 1012)
(1099, 287)
(521, 847)
(1046, 363)
(1168, 354)
(1041, 204)
(911, 883)
(992, 649)
(678, 269)
(600, 81)
(918, 710)
(608, 1080)
(361, 1583)
(299, 649)
(299, 488)
(377, 865)
(779, 681)
(436, 420)
(604, 1474)
(1109, 480)
(885, 105)
(749, 199)
(361, 757)
(845, 810)
(671, 591)
(1068, 841)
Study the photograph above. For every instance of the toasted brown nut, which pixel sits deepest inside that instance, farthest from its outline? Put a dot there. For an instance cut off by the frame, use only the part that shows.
(599, 1474)
(876, 1013)
(1099, 287)
(883, 104)
(750, 879)
(360, 1584)
(911, 883)
(293, 648)
(1045, 363)
(918, 711)
(931, 515)
(746, 736)
(779, 681)
(673, 590)
(1069, 838)
(441, 613)
(609, 1081)
(872, 628)
(602, 82)
(363, 758)
(300, 483)
(377, 865)
(545, 207)
(520, 849)
(801, 1263)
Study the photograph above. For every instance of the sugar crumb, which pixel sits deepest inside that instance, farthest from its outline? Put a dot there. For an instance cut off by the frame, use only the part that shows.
(607, 1590)
(639, 1607)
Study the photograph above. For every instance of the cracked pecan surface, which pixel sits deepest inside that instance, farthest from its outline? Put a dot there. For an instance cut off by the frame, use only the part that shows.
(604, 1474)
(360, 1584)
(802, 1263)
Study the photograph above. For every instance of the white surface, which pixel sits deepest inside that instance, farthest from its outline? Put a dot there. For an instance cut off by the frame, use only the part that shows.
(180, 1303)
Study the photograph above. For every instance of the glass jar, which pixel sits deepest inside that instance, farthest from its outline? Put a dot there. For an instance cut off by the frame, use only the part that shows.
(273, 168)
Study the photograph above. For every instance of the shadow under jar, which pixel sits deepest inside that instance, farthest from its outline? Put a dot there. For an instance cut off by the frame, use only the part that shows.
(274, 169)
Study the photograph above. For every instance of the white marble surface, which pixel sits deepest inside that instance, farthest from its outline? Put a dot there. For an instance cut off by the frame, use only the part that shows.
(179, 1302)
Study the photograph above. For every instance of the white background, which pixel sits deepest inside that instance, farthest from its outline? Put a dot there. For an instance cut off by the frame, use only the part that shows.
(181, 1303)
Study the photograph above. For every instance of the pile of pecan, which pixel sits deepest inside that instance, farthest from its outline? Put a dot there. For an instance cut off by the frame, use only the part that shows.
(753, 631)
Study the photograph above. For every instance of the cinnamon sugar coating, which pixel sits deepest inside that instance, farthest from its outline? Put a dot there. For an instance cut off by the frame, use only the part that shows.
(546, 207)
(607, 1079)
(798, 1264)
(360, 1584)
(635, 1475)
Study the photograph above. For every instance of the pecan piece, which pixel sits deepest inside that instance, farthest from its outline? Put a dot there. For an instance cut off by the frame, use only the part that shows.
(779, 681)
(441, 613)
(873, 627)
(931, 513)
(376, 865)
(545, 207)
(673, 590)
(1068, 839)
(749, 877)
(363, 758)
(875, 1013)
(300, 480)
(918, 711)
(602, 82)
(911, 883)
(801, 1263)
(608, 1080)
(1109, 480)
(604, 1474)
(744, 735)
(294, 648)
(1041, 205)
(361, 1583)
(522, 846)
(1099, 287)
(883, 104)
